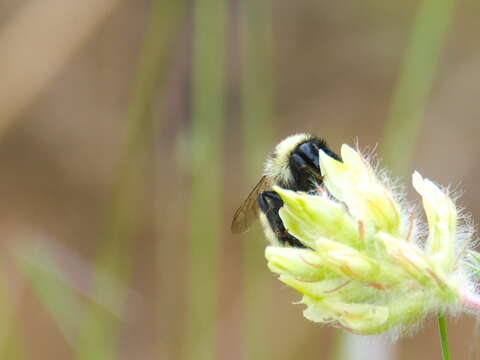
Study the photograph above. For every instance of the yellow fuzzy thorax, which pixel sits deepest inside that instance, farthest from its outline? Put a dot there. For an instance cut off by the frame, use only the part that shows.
(277, 165)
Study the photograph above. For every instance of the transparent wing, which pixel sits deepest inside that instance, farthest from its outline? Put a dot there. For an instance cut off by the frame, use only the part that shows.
(246, 214)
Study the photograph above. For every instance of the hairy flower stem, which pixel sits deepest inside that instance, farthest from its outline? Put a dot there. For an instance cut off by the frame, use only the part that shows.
(442, 329)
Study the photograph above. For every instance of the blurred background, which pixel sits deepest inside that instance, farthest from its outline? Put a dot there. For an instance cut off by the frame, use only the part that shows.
(130, 131)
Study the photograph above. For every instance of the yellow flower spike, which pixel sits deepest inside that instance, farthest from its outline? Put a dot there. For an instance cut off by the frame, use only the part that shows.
(363, 267)
(442, 220)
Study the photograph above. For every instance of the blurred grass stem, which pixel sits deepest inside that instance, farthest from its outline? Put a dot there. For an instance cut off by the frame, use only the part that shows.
(256, 97)
(208, 88)
(415, 82)
(99, 331)
(12, 341)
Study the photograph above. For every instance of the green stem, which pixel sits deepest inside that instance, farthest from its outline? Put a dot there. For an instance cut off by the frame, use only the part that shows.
(442, 329)
(206, 161)
(256, 85)
(125, 217)
(414, 85)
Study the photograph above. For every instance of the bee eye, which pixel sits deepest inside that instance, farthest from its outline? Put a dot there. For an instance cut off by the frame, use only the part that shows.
(309, 152)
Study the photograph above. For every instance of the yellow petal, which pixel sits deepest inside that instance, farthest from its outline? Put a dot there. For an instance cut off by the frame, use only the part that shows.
(354, 183)
(441, 216)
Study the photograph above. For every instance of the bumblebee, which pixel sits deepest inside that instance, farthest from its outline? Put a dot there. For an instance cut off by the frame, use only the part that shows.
(293, 165)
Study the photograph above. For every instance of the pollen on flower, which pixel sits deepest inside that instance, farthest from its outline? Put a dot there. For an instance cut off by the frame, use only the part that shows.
(370, 264)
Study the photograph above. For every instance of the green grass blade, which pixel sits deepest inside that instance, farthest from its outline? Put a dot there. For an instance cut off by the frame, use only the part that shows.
(415, 82)
(256, 90)
(12, 341)
(209, 22)
(51, 288)
(99, 331)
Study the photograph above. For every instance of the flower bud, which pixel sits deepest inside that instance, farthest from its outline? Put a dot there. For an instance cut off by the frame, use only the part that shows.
(354, 183)
(442, 220)
(310, 216)
(406, 255)
(358, 318)
(354, 265)
(301, 263)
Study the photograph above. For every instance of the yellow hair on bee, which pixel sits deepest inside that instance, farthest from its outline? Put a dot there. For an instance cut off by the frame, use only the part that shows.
(267, 229)
(277, 167)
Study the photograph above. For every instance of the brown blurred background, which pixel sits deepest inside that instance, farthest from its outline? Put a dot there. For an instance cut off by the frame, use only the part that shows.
(103, 212)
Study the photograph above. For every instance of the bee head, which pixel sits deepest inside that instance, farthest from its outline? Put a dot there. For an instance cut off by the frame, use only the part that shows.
(294, 163)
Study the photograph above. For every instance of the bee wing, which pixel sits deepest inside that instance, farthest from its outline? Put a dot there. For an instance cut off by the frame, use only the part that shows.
(246, 214)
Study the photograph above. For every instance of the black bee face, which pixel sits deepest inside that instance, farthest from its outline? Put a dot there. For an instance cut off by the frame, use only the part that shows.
(304, 164)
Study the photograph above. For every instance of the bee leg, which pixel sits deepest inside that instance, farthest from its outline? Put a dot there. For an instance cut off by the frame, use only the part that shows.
(270, 203)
